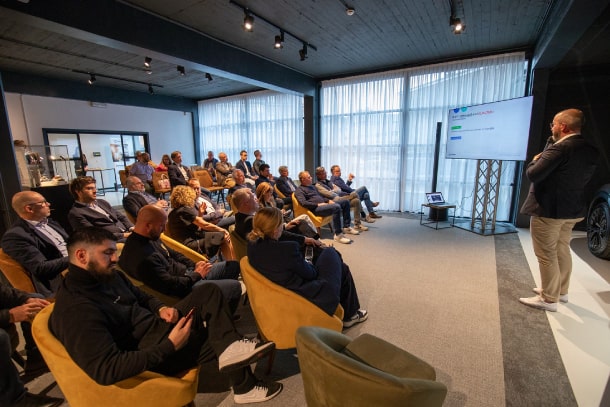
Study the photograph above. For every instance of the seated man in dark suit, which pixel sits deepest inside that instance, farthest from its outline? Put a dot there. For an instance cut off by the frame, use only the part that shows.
(244, 165)
(38, 244)
(363, 192)
(284, 183)
(309, 197)
(264, 175)
(145, 258)
(136, 197)
(178, 174)
(90, 211)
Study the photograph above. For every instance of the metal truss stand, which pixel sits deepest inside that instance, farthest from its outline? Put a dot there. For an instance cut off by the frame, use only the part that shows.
(485, 201)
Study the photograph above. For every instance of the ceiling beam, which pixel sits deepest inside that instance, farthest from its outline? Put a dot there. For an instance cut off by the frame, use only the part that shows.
(128, 29)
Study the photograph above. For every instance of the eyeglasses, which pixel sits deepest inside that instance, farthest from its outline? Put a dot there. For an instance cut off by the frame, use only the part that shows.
(41, 203)
(552, 124)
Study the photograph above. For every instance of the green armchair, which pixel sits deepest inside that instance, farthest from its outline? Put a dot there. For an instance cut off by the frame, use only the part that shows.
(367, 371)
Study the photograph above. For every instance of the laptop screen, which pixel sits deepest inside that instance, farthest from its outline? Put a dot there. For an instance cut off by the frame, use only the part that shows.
(435, 197)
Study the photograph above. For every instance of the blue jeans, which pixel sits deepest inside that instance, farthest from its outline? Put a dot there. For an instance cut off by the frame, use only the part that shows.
(364, 196)
(337, 210)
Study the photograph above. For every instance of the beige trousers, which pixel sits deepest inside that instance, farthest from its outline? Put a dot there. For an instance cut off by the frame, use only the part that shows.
(551, 241)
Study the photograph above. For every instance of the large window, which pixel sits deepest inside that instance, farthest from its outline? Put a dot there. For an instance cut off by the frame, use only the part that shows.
(267, 121)
(382, 128)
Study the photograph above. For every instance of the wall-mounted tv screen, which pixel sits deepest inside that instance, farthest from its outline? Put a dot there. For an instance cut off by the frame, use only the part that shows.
(491, 131)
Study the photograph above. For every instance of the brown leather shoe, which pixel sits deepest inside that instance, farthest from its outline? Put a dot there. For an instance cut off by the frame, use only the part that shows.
(375, 204)
(375, 216)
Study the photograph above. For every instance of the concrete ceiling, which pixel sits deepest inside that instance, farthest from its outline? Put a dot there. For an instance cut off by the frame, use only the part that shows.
(55, 38)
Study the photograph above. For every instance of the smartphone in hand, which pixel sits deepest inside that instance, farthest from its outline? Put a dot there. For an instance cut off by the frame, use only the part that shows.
(190, 314)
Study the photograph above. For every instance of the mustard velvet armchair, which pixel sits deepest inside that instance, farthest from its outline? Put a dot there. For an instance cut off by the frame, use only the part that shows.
(179, 247)
(240, 246)
(279, 311)
(318, 221)
(15, 274)
(367, 371)
(146, 389)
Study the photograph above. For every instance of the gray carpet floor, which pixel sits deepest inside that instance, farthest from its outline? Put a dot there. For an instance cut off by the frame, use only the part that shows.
(448, 296)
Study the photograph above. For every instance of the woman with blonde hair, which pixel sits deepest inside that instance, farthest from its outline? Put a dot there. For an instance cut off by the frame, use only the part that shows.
(165, 162)
(327, 282)
(302, 224)
(186, 225)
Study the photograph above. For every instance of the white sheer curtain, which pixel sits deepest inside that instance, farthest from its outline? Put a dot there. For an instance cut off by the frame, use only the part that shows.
(268, 121)
(382, 127)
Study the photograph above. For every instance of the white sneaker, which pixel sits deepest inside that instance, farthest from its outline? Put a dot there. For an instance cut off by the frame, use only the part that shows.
(342, 239)
(562, 297)
(243, 353)
(361, 228)
(350, 231)
(261, 392)
(538, 302)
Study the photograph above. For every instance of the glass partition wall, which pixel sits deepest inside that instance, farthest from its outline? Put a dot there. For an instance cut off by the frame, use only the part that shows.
(100, 154)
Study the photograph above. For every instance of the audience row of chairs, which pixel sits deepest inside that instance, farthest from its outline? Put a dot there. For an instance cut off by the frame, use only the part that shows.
(336, 370)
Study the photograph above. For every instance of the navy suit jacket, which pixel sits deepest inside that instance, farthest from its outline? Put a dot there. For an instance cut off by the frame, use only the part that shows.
(37, 254)
(81, 216)
(559, 176)
(132, 203)
(241, 166)
(283, 263)
(175, 175)
(283, 184)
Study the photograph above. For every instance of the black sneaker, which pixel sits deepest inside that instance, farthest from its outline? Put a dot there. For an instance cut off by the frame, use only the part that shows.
(243, 353)
(261, 392)
(360, 316)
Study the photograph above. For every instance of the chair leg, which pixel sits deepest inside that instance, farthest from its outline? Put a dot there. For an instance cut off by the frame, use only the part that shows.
(270, 362)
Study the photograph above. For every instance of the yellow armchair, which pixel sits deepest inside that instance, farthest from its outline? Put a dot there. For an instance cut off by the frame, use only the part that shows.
(179, 247)
(279, 311)
(146, 389)
(318, 221)
(15, 274)
(240, 246)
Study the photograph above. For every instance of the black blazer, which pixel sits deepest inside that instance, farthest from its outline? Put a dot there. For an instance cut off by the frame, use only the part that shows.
(132, 203)
(241, 166)
(37, 254)
(81, 216)
(175, 175)
(559, 177)
(283, 263)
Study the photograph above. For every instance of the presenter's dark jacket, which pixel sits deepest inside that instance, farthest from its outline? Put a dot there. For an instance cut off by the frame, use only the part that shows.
(81, 216)
(157, 266)
(37, 254)
(559, 177)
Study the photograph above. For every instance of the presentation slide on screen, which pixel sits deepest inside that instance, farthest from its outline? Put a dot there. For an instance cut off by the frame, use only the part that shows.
(491, 131)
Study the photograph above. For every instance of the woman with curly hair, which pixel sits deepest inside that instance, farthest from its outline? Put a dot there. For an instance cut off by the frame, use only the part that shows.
(327, 282)
(301, 224)
(186, 225)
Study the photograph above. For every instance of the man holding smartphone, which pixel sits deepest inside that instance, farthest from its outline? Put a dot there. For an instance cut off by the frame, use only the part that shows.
(123, 331)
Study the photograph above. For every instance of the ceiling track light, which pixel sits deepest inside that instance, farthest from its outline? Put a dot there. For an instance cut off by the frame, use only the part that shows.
(303, 52)
(92, 79)
(457, 26)
(248, 21)
(147, 61)
(279, 41)
(208, 77)
(181, 69)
